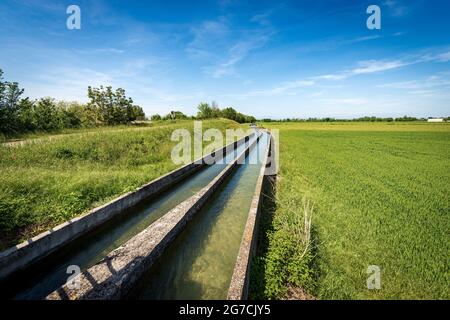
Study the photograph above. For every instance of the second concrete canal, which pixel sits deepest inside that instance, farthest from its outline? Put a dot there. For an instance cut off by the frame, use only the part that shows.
(181, 243)
(51, 273)
(200, 263)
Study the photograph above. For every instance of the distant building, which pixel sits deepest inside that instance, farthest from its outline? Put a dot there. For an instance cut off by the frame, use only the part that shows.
(435, 120)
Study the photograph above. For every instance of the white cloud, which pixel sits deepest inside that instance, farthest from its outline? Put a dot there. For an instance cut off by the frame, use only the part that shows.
(436, 81)
(396, 9)
(375, 66)
(208, 38)
(236, 54)
(371, 66)
(400, 33)
(336, 76)
(221, 48)
(444, 57)
(361, 39)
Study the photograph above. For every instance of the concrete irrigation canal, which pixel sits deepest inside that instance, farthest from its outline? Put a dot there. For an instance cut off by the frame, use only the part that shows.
(186, 235)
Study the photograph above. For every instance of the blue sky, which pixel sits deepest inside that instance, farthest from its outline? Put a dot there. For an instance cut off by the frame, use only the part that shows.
(267, 58)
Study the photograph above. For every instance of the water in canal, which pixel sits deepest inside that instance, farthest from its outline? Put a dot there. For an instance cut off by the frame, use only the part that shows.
(199, 264)
(88, 250)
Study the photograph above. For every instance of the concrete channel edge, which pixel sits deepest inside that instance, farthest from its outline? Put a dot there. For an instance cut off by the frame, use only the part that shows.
(240, 280)
(114, 276)
(28, 252)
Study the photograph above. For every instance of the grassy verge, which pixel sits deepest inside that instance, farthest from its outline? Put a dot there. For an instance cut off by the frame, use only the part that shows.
(42, 135)
(381, 197)
(48, 181)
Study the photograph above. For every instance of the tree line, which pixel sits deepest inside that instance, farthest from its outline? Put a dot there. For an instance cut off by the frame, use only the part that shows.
(208, 111)
(362, 119)
(20, 114)
(106, 106)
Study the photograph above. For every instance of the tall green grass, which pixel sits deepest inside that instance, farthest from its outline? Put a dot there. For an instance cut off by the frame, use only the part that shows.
(48, 181)
(381, 197)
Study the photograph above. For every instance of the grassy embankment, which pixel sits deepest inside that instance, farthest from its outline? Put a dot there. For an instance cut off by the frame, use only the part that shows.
(54, 178)
(381, 196)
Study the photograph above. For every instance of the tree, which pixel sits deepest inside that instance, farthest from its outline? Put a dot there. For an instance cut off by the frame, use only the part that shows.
(113, 107)
(9, 104)
(46, 115)
(240, 118)
(105, 107)
(406, 118)
(155, 117)
(175, 115)
(250, 119)
(204, 111)
(215, 111)
(26, 115)
(71, 114)
(229, 113)
(136, 113)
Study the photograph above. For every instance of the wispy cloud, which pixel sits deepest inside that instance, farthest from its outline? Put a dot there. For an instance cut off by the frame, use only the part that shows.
(396, 8)
(364, 67)
(288, 88)
(400, 33)
(375, 66)
(443, 57)
(337, 76)
(47, 5)
(372, 66)
(431, 82)
(236, 54)
(100, 51)
(334, 43)
(361, 39)
(221, 48)
(205, 35)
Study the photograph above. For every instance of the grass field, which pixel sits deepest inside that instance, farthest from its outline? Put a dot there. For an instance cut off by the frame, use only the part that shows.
(381, 196)
(53, 178)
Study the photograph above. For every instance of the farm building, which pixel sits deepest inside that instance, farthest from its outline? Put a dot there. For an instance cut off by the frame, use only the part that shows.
(435, 120)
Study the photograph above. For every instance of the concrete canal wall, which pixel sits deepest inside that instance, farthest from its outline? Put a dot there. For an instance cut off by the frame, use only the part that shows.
(23, 255)
(239, 284)
(114, 276)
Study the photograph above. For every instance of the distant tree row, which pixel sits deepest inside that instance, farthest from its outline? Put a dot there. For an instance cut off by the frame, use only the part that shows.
(106, 107)
(172, 115)
(206, 111)
(362, 119)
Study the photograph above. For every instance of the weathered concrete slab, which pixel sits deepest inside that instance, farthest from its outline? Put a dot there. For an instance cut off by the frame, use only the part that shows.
(23, 255)
(238, 289)
(115, 275)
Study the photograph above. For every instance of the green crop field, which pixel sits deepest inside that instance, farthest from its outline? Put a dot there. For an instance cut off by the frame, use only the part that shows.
(51, 179)
(378, 194)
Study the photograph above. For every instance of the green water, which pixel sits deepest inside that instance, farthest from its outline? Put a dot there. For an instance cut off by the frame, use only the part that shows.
(51, 273)
(200, 263)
